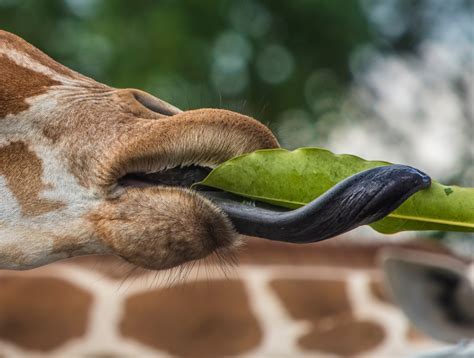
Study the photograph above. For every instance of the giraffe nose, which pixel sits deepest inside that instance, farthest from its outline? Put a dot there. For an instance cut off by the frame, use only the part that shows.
(145, 105)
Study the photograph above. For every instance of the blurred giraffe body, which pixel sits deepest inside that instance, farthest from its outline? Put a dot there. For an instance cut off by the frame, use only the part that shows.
(321, 300)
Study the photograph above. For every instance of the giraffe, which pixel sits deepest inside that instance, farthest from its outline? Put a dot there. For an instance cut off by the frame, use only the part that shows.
(66, 142)
(325, 299)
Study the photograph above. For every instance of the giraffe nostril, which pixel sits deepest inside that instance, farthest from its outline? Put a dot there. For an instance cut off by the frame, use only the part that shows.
(144, 105)
(155, 104)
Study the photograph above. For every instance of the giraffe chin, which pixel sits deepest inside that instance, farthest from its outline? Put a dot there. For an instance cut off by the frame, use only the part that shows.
(177, 224)
(160, 227)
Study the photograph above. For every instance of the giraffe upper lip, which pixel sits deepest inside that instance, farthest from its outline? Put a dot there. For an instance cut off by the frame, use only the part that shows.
(205, 137)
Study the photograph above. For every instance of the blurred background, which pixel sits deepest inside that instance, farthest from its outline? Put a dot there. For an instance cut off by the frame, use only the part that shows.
(388, 79)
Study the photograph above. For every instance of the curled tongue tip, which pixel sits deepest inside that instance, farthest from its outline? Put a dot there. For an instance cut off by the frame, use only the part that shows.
(425, 179)
(421, 179)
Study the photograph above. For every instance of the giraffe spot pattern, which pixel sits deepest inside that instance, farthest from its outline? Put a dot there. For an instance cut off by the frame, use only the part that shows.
(326, 306)
(193, 319)
(18, 84)
(41, 314)
(11, 41)
(23, 170)
(323, 333)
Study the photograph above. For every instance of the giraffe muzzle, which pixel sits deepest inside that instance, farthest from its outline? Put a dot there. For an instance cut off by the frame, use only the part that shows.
(194, 137)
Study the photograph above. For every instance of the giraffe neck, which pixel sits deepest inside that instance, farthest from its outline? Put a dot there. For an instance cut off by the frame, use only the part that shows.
(266, 306)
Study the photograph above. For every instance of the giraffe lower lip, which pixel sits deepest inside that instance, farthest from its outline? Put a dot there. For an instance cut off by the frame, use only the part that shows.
(178, 177)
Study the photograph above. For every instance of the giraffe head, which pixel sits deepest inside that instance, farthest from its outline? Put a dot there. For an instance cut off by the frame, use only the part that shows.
(75, 163)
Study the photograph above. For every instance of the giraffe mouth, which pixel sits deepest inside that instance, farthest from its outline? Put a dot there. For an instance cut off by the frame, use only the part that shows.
(193, 141)
(358, 200)
(181, 176)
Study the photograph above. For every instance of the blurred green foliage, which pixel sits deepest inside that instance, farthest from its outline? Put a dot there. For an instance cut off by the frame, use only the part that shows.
(251, 56)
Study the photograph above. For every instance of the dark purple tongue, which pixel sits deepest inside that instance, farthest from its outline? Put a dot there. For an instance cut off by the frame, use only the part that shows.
(358, 200)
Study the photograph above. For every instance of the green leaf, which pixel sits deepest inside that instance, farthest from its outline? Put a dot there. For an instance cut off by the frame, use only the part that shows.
(294, 178)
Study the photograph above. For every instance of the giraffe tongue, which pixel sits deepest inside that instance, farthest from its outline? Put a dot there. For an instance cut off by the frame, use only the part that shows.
(358, 200)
